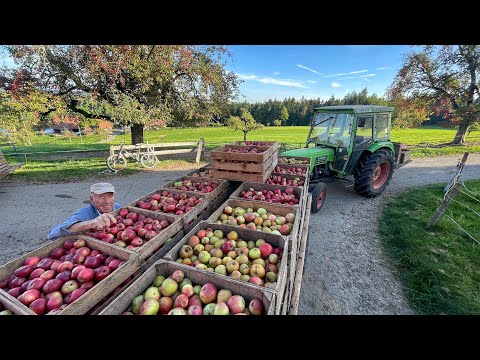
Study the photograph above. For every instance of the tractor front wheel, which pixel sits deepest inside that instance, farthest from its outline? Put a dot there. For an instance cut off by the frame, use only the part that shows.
(374, 173)
(318, 196)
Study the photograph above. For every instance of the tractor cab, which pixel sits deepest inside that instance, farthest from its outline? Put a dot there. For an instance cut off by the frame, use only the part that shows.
(351, 140)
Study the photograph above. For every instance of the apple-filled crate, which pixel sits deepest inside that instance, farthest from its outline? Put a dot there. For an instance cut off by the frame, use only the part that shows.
(252, 163)
(210, 187)
(68, 276)
(176, 289)
(239, 254)
(295, 170)
(258, 216)
(294, 160)
(287, 180)
(142, 231)
(266, 193)
(204, 172)
(186, 205)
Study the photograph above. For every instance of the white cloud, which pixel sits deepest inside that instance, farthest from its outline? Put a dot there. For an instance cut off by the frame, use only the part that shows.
(383, 68)
(335, 85)
(369, 75)
(348, 77)
(350, 73)
(306, 68)
(272, 81)
(312, 81)
(276, 73)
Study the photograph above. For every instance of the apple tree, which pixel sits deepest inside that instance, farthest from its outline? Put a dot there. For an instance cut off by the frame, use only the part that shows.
(446, 79)
(245, 122)
(131, 85)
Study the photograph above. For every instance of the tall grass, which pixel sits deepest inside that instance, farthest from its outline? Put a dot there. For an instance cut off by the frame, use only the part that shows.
(440, 267)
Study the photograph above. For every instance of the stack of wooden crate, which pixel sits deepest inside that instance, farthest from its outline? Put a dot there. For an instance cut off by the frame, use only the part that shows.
(228, 162)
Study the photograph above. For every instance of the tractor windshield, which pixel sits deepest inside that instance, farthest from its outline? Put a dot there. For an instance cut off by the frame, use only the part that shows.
(331, 128)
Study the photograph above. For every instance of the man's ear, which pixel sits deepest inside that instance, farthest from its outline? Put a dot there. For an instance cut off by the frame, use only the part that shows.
(91, 198)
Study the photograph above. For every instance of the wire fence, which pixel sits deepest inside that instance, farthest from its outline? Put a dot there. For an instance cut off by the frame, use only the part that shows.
(457, 192)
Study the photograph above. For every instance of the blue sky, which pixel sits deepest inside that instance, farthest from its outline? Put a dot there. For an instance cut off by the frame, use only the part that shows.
(314, 71)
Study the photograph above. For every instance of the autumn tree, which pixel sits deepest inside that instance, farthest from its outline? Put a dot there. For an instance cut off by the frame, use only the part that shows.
(446, 79)
(131, 85)
(245, 122)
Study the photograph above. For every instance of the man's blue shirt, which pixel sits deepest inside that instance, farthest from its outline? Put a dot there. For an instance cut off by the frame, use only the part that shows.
(86, 213)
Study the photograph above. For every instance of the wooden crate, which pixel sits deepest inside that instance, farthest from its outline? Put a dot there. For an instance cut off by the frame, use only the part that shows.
(288, 176)
(282, 160)
(166, 268)
(186, 217)
(152, 245)
(247, 235)
(305, 169)
(276, 209)
(256, 143)
(222, 185)
(96, 293)
(202, 169)
(297, 191)
(256, 168)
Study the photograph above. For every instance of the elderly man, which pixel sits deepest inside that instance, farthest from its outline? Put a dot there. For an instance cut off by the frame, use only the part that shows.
(95, 216)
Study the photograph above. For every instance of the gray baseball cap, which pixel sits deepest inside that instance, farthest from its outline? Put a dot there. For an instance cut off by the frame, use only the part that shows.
(102, 188)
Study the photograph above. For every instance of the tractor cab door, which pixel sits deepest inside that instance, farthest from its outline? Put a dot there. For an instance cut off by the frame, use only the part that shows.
(363, 139)
(340, 136)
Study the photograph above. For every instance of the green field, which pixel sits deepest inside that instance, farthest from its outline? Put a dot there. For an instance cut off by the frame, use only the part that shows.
(215, 136)
(424, 140)
(439, 266)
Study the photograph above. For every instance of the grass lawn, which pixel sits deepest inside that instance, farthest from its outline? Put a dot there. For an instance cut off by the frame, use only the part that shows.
(439, 267)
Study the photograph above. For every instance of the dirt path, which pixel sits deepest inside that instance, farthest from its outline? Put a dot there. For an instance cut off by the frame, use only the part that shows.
(346, 271)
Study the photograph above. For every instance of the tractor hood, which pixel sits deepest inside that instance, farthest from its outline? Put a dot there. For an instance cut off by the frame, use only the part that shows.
(325, 153)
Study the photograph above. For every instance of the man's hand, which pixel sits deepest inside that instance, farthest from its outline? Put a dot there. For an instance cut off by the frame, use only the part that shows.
(102, 222)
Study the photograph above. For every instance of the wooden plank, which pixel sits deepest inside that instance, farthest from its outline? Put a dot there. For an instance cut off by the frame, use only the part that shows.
(244, 234)
(200, 150)
(279, 210)
(152, 245)
(166, 268)
(92, 296)
(178, 151)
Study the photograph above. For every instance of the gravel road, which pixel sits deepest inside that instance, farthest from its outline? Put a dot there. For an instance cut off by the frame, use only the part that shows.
(346, 271)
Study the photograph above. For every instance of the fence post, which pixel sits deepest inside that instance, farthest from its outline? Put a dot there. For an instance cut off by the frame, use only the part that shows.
(452, 190)
(199, 150)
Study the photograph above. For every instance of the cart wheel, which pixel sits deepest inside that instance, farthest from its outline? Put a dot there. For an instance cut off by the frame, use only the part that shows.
(318, 196)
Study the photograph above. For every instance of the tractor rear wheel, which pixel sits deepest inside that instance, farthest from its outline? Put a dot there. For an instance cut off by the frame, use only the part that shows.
(374, 173)
(318, 196)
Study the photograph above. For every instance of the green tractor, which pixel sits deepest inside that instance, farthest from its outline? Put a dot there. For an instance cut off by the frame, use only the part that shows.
(351, 140)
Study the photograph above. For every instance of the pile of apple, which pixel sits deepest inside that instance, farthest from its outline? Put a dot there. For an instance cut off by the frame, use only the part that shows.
(279, 180)
(276, 196)
(203, 173)
(47, 285)
(131, 230)
(293, 161)
(177, 295)
(290, 170)
(244, 150)
(256, 262)
(256, 143)
(257, 220)
(169, 203)
(201, 186)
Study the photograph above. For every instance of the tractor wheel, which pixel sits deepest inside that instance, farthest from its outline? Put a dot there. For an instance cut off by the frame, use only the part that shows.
(374, 173)
(318, 196)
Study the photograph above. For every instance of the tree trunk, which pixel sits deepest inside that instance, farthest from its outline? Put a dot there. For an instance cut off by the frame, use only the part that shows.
(137, 133)
(460, 135)
(245, 135)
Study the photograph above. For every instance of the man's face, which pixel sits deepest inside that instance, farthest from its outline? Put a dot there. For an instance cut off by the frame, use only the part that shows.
(103, 202)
